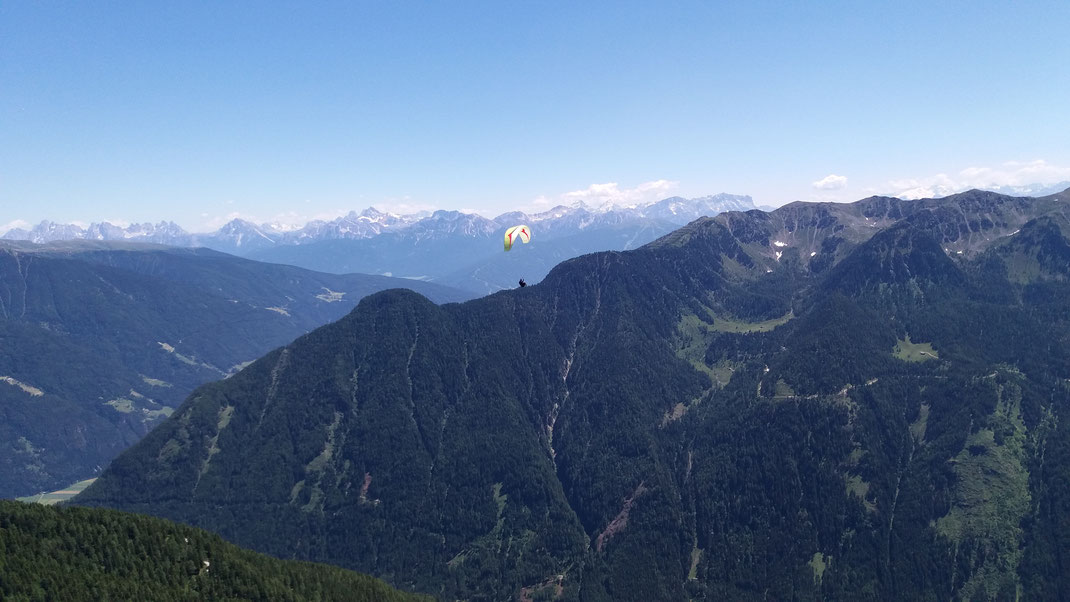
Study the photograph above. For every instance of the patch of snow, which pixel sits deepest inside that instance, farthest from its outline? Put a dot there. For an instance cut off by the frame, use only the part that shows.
(958, 252)
(768, 271)
(780, 244)
(166, 347)
(778, 254)
(280, 310)
(812, 253)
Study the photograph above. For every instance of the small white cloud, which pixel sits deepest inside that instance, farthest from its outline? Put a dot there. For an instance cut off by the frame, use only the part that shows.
(542, 202)
(215, 223)
(4, 229)
(610, 193)
(403, 206)
(831, 182)
(1011, 174)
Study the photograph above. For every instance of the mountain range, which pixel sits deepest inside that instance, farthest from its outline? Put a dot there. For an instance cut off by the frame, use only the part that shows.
(457, 249)
(856, 401)
(240, 236)
(99, 341)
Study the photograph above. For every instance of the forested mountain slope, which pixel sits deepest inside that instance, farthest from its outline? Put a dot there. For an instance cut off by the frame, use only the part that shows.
(76, 554)
(824, 402)
(100, 341)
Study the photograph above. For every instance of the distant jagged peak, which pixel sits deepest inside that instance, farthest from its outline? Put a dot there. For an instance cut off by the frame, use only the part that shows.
(243, 233)
(238, 223)
(370, 222)
(47, 231)
(370, 212)
(722, 201)
(456, 217)
(1033, 190)
(447, 214)
(280, 227)
(136, 231)
(676, 209)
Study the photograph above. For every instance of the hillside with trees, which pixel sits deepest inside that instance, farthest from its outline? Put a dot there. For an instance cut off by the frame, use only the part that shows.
(855, 402)
(101, 341)
(89, 554)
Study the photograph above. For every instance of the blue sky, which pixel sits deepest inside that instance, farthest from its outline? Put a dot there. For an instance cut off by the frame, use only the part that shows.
(196, 112)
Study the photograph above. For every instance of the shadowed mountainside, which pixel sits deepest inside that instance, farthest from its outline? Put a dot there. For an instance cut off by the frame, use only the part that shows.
(100, 341)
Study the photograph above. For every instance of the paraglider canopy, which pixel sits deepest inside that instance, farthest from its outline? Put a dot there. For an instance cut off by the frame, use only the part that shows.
(521, 233)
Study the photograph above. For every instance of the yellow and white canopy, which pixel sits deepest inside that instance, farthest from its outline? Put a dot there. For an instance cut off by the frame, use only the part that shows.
(521, 233)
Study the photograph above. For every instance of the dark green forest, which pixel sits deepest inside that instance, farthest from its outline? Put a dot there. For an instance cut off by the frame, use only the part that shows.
(824, 402)
(49, 553)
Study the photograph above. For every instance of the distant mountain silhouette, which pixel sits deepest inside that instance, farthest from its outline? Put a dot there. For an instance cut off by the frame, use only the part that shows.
(450, 247)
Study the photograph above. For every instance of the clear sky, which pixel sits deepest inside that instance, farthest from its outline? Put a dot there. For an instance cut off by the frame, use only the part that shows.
(194, 112)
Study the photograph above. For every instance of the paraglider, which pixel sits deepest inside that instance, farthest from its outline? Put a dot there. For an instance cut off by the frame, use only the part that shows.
(521, 233)
(522, 283)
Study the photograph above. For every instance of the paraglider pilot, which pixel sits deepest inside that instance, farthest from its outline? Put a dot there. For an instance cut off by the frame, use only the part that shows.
(522, 283)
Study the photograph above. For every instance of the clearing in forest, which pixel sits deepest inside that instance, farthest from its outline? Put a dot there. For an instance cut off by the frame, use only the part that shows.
(914, 352)
(61, 495)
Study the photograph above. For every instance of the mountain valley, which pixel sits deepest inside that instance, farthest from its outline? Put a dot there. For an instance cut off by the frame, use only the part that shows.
(99, 341)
